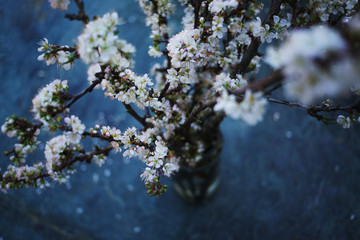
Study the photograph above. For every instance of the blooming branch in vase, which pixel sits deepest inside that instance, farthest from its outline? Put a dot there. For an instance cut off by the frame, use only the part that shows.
(209, 72)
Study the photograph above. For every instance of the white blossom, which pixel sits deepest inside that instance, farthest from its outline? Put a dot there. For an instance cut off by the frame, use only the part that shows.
(62, 4)
(154, 162)
(116, 146)
(153, 52)
(345, 122)
(92, 70)
(325, 8)
(169, 168)
(99, 160)
(217, 6)
(148, 175)
(218, 28)
(253, 107)
(64, 60)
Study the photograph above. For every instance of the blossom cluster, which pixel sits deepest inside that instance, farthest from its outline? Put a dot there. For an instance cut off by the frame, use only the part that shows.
(217, 6)
(57, 151)
(99, 42)
(22, 174)
(323, 9)
(156, 14)
(55, 54)
(127, 87)
(26, 134)
(209, 71)
(251, 109)
(302, 59)
(146, 145)
(47, 101)
(183, 47)
(224, 82)
(167, 119)
(187, 52)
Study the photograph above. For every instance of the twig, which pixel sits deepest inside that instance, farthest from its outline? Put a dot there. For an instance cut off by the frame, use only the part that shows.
(78, 96)
(314, 110)
(132, 112)
(57, 48)
(262, 84)
(78, 158)
(81, 16)
(318, 108)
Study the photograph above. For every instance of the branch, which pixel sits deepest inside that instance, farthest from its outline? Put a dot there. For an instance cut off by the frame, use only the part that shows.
(262, 84)
(314, 110)
(164, 90)
(57, 48)
(252, 50)
(90, 134)
(98, 135)
(196, 4)
(79, 158)
(78, 96)
(135, 115)
(81, 16)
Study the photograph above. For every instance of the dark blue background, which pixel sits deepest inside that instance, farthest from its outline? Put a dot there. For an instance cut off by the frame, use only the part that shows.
(294, 178)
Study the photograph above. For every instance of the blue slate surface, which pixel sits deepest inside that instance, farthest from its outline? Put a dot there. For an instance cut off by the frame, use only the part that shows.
(288, 179)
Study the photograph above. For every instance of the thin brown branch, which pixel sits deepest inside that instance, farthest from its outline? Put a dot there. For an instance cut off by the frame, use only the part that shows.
(85, 133)
(262, 84)
(196, 5)
(81, 15)
(98, 135)
(318, 108)
(314, 110)
(57, 48)
(134, 114)
(164, 90)
(78, 96)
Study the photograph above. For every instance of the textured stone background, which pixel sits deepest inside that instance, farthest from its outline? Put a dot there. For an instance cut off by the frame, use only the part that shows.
(288, 179)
